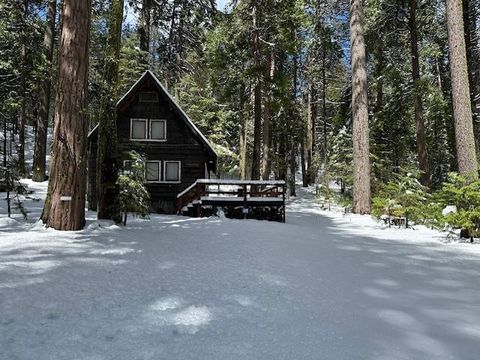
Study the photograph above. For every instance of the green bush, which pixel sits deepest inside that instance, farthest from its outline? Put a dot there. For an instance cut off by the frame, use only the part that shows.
(133, 196)
(465, 197)
(403, 197)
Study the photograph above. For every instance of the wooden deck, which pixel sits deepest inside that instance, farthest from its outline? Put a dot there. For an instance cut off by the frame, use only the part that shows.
(238, 199)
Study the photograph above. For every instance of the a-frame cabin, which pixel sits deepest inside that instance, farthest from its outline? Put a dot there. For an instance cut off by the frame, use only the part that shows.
(152, 123)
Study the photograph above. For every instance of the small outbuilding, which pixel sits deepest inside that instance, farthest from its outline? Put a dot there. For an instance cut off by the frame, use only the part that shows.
(150, 122)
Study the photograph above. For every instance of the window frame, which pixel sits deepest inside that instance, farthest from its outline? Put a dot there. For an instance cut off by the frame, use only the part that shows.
(150, 121)
(179, 172)
(145, 121)
(148, 129)
(160, 168)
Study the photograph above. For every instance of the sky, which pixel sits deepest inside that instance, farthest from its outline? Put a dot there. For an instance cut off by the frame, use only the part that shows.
(221, 4)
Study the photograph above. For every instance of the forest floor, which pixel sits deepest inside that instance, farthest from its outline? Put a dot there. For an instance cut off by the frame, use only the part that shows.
(322, 286)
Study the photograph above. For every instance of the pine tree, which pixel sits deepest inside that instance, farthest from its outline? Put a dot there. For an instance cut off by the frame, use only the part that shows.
(361, 153)
(462, 111)
(107, 139)
(65, 203)
(40, 152)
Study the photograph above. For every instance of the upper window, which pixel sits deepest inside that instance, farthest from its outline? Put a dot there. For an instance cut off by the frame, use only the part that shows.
(148, 129)
(148, 97)
(157, 129)
(138, 129)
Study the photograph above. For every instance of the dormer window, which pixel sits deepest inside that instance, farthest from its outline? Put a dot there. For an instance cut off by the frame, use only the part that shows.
(148, 97)
(148, 130)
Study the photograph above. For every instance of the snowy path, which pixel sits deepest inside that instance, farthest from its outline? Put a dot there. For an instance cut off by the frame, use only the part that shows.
(318, 287)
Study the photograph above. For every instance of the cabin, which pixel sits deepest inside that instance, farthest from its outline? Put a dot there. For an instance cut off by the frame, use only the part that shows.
(152, 123)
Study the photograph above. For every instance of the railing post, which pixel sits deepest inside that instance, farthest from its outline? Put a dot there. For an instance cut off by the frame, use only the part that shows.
(245, 200)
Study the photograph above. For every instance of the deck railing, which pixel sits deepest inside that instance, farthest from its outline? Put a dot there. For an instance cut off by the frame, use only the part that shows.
(246, 193)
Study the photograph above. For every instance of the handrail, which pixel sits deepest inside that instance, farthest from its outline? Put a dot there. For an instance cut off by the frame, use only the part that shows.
(273, 188)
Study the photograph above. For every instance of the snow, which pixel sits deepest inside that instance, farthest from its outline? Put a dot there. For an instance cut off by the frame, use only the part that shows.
(322, 286)
(449, 209)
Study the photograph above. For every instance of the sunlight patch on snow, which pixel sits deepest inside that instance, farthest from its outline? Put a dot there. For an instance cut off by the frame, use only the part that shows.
(397, 318)
(193, 316)
(273, 279)
(171, 311)
(168, 303)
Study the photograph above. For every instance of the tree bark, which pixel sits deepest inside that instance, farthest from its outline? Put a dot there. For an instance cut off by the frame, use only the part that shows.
(313, 109)
(267, 124)
(65, 204)
(361, 151)
(462, 110)
(107, 130)
(144, 28)
(257, 100)
(324, 108)
(40, 153)
(422, 154)
(22, 121)
(473, 62)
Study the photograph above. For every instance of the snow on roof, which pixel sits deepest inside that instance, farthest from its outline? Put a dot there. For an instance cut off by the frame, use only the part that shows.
(93, 131)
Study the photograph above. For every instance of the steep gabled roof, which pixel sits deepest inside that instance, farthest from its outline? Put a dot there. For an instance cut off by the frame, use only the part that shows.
(172, 101)
(174, 104)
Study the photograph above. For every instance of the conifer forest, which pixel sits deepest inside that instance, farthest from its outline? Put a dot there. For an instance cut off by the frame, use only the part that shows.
(239, 179)
(368, 94)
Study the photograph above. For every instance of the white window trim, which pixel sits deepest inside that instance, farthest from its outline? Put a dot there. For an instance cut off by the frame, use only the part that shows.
(148, 130)
(179, 172)
(159, 172)
(150, 121)
(131, 129)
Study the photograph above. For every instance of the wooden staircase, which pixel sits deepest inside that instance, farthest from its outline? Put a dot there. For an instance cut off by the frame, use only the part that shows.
(238, 199)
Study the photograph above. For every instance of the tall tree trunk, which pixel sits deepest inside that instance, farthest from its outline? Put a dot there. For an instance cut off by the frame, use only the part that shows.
(462, 110)
(257, 100)
(470, 16)
(324, 108)
(107, 130)
(379, 67)
(243, 150)
(293, 139)
(65, 204)
(144, 24)
(23, 89)
(267, 123)
(417, 95)
(40, 153)
(313, 133)
(303, 151)
(361, 152)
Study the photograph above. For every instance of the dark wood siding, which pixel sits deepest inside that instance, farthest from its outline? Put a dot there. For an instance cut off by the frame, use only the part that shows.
(181, 144)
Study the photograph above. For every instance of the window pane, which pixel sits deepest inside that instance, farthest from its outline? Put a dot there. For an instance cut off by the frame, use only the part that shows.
(172, 171)
(139, 129)
(157, 130)
(153, 171)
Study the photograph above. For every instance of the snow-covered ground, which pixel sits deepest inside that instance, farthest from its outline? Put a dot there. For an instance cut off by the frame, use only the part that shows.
(322, 286)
